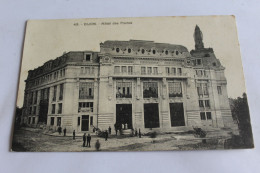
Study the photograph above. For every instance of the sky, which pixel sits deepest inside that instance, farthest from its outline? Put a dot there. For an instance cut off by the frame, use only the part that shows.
(49, 39)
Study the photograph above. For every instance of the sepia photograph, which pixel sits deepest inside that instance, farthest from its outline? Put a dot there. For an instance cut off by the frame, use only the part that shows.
(131, 84)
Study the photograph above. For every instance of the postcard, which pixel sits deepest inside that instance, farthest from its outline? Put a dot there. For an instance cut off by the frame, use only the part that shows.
(131, 84)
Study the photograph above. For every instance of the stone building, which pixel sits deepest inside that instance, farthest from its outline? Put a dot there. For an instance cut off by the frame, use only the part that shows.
(130, 84)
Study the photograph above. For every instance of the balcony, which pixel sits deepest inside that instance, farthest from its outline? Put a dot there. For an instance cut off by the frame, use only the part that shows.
(201, 77)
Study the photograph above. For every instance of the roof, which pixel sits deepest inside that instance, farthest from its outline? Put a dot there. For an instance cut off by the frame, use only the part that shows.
(148, 45)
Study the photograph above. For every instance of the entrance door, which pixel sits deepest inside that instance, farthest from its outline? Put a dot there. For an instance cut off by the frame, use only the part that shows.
(177, 114)
(151, 115)
(85, 123)
(124, 115)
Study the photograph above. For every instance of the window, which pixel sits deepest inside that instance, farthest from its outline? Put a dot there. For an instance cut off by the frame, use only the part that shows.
(78, 121)
(117, 69)
(35, 97)
(81, 70)
(207, 103)
(150, 89)
(202, 116)
(166, 52)
(201, 103)
(219, 90)
(123, 69)
(52, 121)
(175, 89)
(124, 89)
(53, 109)
(86, 90)
(87, 57)
(85, 107)
(30, 110)
(34, 110)
(61, 92)
(29, 120)
(177, 53)
(205, 89)
(154, 51)
(60, 108)
(54, 93)
(167, 70)
(117, 50)
(199, 90)
(198, 61)
(58, 121)
(143, 71)
(173, 70)
(155, 70)
(91, 120)
(33, 120)
(208, 115)
(130, 70)
(129, 50)
(179, 71)
(142, 51)
(149, 70)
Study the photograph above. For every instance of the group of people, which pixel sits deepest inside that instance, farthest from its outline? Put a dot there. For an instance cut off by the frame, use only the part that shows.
(60, 130)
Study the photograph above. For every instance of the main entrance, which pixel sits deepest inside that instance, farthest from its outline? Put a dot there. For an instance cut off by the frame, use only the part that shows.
(85, 123)
(177, 114)
(151, 115)
(124, 115)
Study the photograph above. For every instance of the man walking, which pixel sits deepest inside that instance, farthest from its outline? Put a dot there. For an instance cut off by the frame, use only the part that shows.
(106, 135)
(109, 130)
(88, 140)
(74, 134)
(64, 131)
(84, 139)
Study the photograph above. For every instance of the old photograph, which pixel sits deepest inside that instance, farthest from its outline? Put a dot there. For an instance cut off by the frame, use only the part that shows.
(131, 84)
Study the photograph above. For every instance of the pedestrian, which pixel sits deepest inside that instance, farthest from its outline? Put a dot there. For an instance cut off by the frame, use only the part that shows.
(74, 134)
(84, 139)
(97, 145)
(64, 131)
(88, 140)
(139, 133)
(123, 126)
(136, 132)
(126, 126)
(109, 130)
(115, 126)
(116, 132)
(59, 130)
(106, 135)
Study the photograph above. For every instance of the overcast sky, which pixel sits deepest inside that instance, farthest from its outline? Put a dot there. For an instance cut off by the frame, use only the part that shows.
(48, 39)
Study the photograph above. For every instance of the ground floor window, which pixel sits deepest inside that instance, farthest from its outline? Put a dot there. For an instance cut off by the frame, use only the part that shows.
(205, 116)
(124, 89)
(58, 121)
(85, 107)
(91, 120)
(177, 114)
(52, 121)
(175, 89)
(29, 120)
(150, 89)
(33, 120)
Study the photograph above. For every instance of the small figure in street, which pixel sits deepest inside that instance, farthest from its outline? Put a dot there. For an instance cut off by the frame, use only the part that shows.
(84, 139)
(59, 130)
(126, 126)
(88, 140)
(123, 126)
(74, 134)
(136, 132)
(106, 135)
(64, 131)
(109, 130)
(139, 133)
(97, 145)
(116, 132)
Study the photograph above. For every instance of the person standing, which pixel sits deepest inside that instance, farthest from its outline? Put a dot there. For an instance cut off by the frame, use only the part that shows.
(84, 139)
(59, 130)
(74, 134)
(109, 130)
(139, 133)
(97, 145)
(64, 131)
(88, 140)
(106, 135)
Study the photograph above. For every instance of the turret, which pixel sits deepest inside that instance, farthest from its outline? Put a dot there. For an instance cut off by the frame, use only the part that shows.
(198, 38)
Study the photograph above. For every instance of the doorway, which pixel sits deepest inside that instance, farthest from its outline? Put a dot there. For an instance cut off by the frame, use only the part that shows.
(151, 115)
(177, 114)
(85, 123)
(124, 115)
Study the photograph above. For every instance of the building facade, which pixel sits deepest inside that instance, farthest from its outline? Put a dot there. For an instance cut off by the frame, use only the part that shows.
(132, 84)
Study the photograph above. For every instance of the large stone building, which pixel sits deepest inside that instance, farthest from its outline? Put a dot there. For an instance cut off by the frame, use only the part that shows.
(139, 83)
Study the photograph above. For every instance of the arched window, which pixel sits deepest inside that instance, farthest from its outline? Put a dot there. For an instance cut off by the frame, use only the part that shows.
(142, 51)
(117, 50)
(129, 50)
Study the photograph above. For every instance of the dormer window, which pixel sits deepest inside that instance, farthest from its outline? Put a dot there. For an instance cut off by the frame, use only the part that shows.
(198, 61)
(177, 53)
(166, 52)
(117, 50)
(87, 57)
(129, 50)
(142, 51)
(154, 51)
